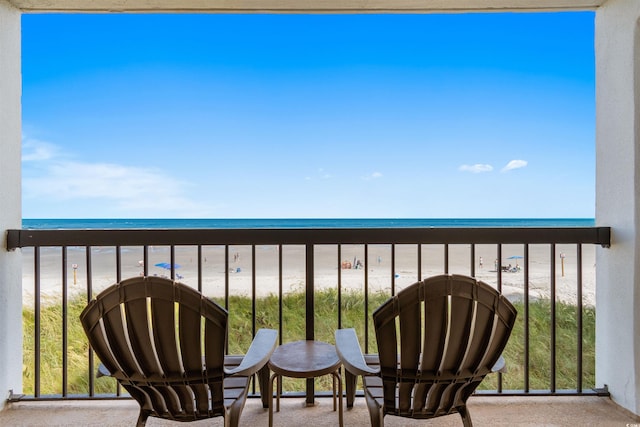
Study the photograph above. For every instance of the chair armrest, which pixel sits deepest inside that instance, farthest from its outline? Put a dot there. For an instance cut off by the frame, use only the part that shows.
(259, 353)
(103, 371)
(350, 354)
(500, 366)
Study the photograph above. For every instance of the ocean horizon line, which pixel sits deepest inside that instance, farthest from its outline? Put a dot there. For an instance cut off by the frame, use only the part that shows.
(229, 223)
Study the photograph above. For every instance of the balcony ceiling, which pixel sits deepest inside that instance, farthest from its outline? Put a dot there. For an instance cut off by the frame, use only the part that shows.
(302, 6)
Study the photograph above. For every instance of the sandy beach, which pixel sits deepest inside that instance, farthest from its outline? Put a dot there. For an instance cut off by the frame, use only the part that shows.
(328, 265)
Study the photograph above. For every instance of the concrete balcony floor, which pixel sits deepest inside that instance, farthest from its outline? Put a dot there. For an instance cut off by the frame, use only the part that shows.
(485, 411)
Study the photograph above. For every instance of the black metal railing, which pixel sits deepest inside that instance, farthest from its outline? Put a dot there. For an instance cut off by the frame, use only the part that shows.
(77, 250)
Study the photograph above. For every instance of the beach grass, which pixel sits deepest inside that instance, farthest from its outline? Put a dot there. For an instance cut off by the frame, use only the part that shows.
(326, 305)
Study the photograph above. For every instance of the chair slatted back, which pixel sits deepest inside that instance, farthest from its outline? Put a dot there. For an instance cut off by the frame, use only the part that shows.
(164, 342)
(437, 339)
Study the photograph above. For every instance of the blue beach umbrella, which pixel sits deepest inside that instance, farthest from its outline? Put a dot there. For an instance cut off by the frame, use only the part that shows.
(516, 257)
(167, 265)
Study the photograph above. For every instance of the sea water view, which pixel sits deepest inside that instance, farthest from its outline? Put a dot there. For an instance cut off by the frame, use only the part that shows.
(166, 223)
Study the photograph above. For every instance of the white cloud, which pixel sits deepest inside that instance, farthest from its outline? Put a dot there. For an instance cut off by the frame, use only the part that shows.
(324, 175)
(34, 150)
(132, 191)
(477, 168)
(321, 174)
(514, 164)
(374, 175)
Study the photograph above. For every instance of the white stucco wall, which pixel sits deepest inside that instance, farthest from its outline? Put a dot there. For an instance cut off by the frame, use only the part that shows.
(10, 202)
(617, 160)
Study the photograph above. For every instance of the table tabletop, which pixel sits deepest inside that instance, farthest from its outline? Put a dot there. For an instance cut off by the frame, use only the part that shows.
(304, 359)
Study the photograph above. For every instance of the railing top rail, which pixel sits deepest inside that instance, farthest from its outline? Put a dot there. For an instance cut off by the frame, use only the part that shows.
(22, 238)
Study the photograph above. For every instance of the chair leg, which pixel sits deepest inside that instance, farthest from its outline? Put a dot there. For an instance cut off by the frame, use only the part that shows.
(466, 417)
(377, 417)
(263, 381)
(233, 412)
(376, 413)
(232, 417)
(142, 418)
(350, 387)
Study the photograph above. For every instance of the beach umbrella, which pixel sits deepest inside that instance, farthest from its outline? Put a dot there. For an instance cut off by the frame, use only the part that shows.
(516, 257)
(167, 265)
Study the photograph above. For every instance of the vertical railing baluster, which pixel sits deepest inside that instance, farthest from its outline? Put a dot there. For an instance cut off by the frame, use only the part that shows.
(366, 303)
(280, 302)
(36, 322)
(446, 258)
(499, 267)
(310, 311)
(393, 269)
(65, 314)
(526, 320)
(253, 290)
(419, 262)
(473, 260)
(499, 288)
(173, 261)
(145, 261)
(579, 317)
(253, 303)
(552, 371)
(87, 254)
(200, 268)
(226, 289)
(339, 287)
(226, 277)
(119, 263)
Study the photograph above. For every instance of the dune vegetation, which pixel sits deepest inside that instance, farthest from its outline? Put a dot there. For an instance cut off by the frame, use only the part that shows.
(326, 321)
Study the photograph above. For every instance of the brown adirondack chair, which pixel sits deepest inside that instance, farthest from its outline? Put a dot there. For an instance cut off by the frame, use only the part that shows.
(437, 340)
(165, 343)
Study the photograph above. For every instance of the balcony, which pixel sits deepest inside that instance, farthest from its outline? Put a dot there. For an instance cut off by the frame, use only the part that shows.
(616, 50)
(553, 270)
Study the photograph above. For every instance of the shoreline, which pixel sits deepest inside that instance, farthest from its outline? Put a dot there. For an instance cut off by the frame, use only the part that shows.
(327, 268)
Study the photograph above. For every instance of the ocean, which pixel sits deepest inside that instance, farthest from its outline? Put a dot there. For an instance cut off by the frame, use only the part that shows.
(279, 223)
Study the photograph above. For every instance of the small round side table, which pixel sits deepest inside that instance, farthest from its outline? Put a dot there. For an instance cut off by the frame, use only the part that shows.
(305, 359)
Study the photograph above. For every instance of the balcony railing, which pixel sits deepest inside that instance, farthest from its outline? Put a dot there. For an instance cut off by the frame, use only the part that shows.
(62, 266)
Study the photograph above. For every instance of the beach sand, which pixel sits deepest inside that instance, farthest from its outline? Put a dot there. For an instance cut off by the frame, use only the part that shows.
(327, 268)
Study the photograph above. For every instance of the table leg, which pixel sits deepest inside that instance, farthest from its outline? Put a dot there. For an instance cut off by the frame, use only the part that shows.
(336, 376)
(334, 391)
(278, 393)
(273, 377)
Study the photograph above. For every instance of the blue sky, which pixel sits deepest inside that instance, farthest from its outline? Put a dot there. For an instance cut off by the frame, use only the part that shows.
(297, 116)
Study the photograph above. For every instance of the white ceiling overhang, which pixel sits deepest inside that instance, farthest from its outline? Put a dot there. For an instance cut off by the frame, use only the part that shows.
(303, 6)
